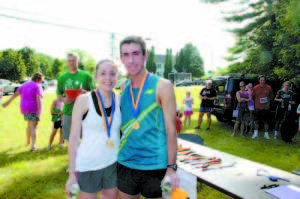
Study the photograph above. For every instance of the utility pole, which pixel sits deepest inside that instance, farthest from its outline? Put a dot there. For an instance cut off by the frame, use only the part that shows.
(113, 54)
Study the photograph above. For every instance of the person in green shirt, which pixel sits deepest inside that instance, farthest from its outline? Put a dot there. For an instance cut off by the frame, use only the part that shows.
(72, 79)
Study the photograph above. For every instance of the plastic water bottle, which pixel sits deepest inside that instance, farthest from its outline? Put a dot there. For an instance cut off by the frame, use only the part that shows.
(282, 104)
(166, 187)
(74, 189)
(290, 107)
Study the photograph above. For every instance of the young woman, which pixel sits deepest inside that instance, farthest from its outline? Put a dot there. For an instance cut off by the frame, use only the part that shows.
(31, 106)
(285, 98)
(243, 113)
(92, 164)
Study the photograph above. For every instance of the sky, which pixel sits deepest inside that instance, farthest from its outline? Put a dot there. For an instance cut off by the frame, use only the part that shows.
(165, 23)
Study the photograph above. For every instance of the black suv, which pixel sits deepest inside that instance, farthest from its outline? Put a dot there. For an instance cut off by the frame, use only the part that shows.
(227, 86)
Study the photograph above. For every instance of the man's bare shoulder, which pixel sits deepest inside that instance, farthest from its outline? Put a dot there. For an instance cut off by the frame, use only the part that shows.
(164, 85)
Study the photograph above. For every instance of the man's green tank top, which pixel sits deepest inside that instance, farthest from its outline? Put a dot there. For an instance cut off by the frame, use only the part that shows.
(146, 147)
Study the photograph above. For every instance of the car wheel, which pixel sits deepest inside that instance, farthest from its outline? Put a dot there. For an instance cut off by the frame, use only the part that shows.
(220, 118)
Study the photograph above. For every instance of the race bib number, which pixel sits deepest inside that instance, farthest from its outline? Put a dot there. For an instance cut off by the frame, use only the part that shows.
(263, 100)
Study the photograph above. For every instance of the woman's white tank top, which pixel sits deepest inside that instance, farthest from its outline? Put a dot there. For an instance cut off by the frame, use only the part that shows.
(93, 153)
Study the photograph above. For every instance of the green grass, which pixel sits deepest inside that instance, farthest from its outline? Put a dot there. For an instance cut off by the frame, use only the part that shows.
(28, 175)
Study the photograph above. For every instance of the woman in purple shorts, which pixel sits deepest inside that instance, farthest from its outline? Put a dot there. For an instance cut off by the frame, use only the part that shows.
(188, 108)
(243, 98)
(31, 105)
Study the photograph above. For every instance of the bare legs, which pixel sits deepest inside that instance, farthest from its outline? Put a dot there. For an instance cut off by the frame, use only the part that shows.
(126, 196)
(104, 194)
(32, 133)
(52, 136)
(187, 119)
(201, 118)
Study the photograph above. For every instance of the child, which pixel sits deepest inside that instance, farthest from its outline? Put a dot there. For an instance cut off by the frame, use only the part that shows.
(56, 119)
(178, 122)
(188, 109)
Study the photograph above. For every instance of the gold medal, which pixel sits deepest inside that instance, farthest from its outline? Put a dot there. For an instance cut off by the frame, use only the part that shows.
(136, 125)
(110, 143)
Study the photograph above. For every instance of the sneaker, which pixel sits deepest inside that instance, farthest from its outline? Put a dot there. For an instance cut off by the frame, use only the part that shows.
(267, 136)
(207, 129)
(275, 137)
(34, 149)
(197, 127)
(254, 136)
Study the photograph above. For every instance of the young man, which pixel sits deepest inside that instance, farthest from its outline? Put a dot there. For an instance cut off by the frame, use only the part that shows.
(148, 147)
(76, 78)
(262, 94)
(207, 96)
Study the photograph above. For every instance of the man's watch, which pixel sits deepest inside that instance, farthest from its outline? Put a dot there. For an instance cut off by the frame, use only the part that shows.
(172, 166)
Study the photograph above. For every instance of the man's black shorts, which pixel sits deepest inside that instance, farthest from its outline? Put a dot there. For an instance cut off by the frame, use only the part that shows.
(57, 125)
(144, 182)
(262, 115)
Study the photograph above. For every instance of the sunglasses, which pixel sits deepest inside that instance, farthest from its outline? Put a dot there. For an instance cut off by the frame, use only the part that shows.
(242, 86)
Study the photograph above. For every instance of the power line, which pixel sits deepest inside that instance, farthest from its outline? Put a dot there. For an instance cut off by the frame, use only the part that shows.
(59, 25)
(31, 13)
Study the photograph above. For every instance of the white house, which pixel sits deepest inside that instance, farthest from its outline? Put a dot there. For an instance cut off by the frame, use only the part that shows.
(160, 64)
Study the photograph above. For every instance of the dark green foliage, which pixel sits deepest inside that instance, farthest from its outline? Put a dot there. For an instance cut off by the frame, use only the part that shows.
(269, 43)
(151, 65)
(179, 61)
(12, 66)
(46, 63)
(168, 63)
(189, 61)
(30, 60)
(57, 68)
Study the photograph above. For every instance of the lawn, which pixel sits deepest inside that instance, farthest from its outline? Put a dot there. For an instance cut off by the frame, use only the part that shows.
(24, 174)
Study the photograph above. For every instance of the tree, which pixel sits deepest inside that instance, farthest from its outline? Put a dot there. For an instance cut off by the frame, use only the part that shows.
(30, 60)
(264, 41)
(189, 60)
(151, 65)
(12, 66)
(287, 40)
(179, 61)
(57, 68)
(46, 63)
(90, 64)
(168, 63)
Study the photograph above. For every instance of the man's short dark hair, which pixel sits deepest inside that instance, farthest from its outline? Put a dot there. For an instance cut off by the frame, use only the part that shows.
(262, 76)
(133, 39)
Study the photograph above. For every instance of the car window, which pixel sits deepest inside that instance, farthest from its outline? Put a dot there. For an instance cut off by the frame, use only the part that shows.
(230, 85)
(220, 85)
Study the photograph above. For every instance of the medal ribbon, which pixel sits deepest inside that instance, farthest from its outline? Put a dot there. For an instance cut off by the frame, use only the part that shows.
(136, 105)
(107, 121)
